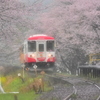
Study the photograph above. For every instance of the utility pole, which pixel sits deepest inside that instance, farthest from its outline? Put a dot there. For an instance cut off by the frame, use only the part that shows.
(23, 66)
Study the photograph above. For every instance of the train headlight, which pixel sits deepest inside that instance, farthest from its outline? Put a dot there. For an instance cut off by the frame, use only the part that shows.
(49, 55)
(32, 55)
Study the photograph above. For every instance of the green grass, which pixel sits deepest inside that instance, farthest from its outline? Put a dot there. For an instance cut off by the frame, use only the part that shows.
(20, 96)
(13, 83)
(6, 97)
(28, 96)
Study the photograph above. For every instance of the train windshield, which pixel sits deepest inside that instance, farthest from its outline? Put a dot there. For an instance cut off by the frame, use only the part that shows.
(50, 45)
(41, 47)
(31, 46)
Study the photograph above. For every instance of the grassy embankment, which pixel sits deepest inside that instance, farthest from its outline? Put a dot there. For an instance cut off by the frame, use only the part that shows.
(12, 83)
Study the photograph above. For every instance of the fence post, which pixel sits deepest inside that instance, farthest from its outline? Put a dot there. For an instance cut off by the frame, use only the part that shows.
(15, 97)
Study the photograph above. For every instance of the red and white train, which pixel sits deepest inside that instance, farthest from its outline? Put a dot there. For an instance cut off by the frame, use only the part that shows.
(38, 50)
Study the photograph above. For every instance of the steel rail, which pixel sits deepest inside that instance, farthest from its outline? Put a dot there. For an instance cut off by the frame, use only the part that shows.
(74, 89)
(92, 83)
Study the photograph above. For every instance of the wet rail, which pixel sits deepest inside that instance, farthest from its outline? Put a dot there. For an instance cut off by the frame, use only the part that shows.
(81, 89)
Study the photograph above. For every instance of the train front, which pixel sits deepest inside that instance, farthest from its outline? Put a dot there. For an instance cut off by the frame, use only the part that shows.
(40, 52)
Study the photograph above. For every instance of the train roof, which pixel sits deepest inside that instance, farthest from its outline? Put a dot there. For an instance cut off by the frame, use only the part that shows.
(40, 37)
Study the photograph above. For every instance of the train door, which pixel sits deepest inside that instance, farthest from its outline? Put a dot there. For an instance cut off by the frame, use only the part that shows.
(41, 50)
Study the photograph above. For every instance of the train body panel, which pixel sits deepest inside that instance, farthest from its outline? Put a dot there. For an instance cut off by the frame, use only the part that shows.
(39, 50)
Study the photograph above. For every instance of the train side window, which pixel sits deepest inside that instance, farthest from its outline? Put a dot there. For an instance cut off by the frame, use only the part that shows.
(31, 46)
(50, 45)
(41, 47)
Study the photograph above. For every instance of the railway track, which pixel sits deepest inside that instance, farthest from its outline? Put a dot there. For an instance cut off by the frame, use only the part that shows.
(79, 89)
(85, 90)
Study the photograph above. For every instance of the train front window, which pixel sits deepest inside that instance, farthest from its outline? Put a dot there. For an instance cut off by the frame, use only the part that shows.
(31, 46)
(50, 45)
(41, 47)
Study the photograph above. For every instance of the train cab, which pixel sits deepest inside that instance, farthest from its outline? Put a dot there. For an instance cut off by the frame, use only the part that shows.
(38, 50)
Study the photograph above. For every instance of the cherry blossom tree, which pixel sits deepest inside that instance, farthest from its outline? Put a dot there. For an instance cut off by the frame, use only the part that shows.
(76, 25)
(15, 18)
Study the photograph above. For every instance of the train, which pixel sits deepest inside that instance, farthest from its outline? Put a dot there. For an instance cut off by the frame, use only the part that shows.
(38, 51)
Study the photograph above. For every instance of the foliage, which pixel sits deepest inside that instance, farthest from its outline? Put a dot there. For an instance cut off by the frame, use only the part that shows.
(13, 83)
(3, 79)
(14, 22)
(75, 24)
(20, 96)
